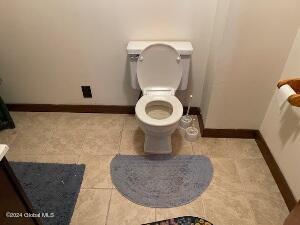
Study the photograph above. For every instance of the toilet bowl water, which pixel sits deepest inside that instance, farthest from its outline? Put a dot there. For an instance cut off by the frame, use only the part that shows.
(159, 110)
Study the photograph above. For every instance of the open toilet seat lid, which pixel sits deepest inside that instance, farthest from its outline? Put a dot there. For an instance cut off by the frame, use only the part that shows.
(140, 110)
(159, 66)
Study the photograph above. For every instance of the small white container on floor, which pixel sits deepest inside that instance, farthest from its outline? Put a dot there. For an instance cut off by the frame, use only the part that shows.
(191, 133)
(185, 121)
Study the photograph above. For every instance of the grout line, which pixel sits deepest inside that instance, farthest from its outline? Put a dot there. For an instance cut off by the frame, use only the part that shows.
(193, 149)
(78, 159)
(97, 188)
(47, 154)
(203, 207)
(108, 208)
(239, 175)
(82, 152)
(244, 192)
(121, 136)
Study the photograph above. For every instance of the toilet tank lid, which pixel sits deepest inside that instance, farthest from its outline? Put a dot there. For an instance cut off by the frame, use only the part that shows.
(182, 47)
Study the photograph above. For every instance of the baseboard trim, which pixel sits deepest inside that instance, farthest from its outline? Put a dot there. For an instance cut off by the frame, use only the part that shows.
(115, 109)
(279, 178)
(229, 133)
(224, 133)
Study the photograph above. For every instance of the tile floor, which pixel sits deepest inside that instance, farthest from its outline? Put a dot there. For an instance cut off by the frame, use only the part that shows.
(242, 191)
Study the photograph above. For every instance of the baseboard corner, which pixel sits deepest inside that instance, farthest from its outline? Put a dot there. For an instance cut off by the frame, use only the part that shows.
(279, 178)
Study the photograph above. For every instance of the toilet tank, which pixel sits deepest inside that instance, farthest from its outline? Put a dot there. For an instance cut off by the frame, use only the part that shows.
(184, 48)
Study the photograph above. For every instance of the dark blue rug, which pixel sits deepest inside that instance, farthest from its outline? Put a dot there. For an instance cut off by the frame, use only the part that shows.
(51, 188)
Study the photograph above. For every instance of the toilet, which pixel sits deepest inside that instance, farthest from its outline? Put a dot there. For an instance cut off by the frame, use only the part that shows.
(160, 68)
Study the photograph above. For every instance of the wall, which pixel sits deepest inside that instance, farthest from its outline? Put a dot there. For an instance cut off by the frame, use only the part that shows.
(281, 127)
(220, 23)
(50, 48)
(256, 40)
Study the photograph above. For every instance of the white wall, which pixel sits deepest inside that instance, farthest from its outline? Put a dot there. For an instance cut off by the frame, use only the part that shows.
(220, 23)
(48, 49)
(256, 40)
(281, 127)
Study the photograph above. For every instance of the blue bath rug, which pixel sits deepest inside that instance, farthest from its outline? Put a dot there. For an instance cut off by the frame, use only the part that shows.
(161, 181)
(51, 188)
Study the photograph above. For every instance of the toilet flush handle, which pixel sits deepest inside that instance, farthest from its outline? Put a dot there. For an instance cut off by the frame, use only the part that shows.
(178, 59)
(141, 58)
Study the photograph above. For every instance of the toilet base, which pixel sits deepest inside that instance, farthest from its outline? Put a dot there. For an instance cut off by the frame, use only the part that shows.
(157, 144)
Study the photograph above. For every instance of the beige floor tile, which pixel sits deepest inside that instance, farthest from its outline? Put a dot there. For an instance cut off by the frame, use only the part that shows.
(132, 142)
(105, 121)
(102, 142)
(124, 212)
(131, 123)
(47, 120)
(225, 175)
(61, 159)
(21, 119)
(91, 207)
(211, 147)
(268, 208)
(243, 148)
(8, 136)
(256, 176)
(73, 120)
(227, 148)
(194, 208)
(180, 146)
(30, 141)
(183, 150)
(97, 171)
(65, 142)
(227, 208)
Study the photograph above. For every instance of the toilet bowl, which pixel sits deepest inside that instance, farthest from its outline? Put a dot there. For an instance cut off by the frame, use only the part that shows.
(158, 116)
(158, 111)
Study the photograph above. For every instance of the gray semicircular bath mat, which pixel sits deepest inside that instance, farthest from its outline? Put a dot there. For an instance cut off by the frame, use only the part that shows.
(161, 181)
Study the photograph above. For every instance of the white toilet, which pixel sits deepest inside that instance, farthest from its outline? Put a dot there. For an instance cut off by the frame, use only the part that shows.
(159, 70)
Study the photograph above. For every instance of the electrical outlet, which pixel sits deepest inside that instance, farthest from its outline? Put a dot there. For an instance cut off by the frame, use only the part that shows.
(86, 91)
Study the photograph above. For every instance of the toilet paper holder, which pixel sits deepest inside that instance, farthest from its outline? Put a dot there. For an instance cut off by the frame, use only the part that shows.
(295, 85)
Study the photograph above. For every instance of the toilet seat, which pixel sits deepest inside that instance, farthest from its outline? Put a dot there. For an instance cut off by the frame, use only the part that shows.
(140, 110)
